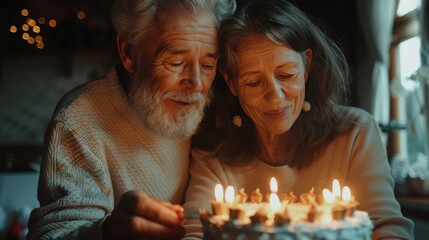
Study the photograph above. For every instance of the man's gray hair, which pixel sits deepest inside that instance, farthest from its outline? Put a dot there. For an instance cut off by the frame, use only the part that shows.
(134, 19)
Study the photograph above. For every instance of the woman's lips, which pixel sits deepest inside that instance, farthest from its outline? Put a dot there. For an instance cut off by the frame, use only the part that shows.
(278, 113)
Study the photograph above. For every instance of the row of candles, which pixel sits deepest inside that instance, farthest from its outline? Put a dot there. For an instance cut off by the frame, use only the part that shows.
(337, 204)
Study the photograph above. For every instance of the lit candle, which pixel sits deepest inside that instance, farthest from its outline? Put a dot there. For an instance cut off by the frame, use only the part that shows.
(277, 216)
(328, 196)
(326, 215)
(349, 202)
(337, 211)
(347, 196)
(218, 205)
(275, 203)
(336, 189)
(273, 185)
(235, 213)
(219, 193)
(274, 199)
(229, 196)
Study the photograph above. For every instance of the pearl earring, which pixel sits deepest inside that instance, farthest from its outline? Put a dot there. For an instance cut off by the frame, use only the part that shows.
(306, 106)
(236, 120)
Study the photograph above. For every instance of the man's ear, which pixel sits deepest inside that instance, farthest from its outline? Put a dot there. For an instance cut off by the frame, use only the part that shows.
(125, 53)
(232, 88)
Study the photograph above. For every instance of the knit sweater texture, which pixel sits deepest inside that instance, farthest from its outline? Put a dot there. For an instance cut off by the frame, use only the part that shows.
(96, 150)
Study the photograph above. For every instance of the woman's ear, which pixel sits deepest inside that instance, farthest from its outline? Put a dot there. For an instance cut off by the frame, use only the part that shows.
(308, 58)
(230, 83)
(125, 53)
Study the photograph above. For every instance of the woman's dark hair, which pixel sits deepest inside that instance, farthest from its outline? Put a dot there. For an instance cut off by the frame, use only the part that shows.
(326, 86)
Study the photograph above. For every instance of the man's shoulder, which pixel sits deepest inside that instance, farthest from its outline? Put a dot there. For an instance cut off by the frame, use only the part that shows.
(84, 98)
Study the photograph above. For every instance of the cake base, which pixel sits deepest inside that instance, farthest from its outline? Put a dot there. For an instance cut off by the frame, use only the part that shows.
(357, 227)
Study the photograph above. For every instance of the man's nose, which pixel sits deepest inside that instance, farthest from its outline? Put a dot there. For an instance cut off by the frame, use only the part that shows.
(192, 78)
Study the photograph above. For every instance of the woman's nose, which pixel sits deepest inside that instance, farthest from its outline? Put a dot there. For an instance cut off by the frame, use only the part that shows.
(275, 92)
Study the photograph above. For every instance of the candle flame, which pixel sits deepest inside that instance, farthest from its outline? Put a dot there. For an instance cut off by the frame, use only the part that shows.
(273, 185)
(274, 202)
(336, 188)
(327, 195)
(219, 192)
(229, 195)
(347, 196)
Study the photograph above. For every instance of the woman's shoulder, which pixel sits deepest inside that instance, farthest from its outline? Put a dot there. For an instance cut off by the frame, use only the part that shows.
(356, 115)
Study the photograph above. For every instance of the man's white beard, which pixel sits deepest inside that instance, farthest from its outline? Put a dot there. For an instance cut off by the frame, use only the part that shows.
(180, 123)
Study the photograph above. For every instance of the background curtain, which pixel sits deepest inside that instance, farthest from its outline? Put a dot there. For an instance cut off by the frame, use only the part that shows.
(375, 19)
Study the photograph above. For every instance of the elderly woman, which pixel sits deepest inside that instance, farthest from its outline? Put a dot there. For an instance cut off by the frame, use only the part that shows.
(279, 114)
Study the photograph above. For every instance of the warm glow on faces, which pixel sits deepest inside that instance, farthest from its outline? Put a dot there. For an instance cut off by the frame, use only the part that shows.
(180, 64)
(271, 83)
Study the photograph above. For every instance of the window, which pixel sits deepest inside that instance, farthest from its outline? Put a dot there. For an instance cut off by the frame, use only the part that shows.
(407, 93)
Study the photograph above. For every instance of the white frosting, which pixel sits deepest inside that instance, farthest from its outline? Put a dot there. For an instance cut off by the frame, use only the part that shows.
(357, 227)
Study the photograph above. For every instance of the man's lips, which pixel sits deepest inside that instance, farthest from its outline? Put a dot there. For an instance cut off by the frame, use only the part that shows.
(184, 104)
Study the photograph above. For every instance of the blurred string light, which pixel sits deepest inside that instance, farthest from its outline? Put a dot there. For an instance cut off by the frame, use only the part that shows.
(32, 26)
(32, 29)
(52, 23)
(81, 15)
(24, 12)
(13, 29)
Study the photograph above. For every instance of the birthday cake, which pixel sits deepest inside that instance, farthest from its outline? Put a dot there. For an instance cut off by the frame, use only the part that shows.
(285, 217)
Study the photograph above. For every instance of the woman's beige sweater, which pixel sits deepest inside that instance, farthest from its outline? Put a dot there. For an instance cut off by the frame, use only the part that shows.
(357, 159)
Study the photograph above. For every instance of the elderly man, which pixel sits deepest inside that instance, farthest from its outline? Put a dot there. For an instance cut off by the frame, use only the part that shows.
(116, 162)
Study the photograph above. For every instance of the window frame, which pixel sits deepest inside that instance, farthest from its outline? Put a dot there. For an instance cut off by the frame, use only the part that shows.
(404, 28)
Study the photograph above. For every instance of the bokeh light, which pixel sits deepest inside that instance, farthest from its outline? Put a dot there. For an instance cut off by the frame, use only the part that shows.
(81, 15)
(30, 40)
(13, 29)
(31, 22)
(24, 12)
(25, 27)
(36, 29)
(25, 36)
(38, 38)
(40, 45)
(42, 20)
(52, 23)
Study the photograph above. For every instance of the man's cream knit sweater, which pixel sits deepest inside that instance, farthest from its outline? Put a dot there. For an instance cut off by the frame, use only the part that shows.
(97, 149)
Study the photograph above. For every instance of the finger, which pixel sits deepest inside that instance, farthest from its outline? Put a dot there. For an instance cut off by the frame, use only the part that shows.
(176, 208)
(151, 209)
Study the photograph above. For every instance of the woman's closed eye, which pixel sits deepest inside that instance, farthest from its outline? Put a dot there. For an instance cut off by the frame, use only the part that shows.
(253, 83)
(286, 76)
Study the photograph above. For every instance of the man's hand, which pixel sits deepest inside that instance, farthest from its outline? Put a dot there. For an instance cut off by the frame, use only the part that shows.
(139, 216)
